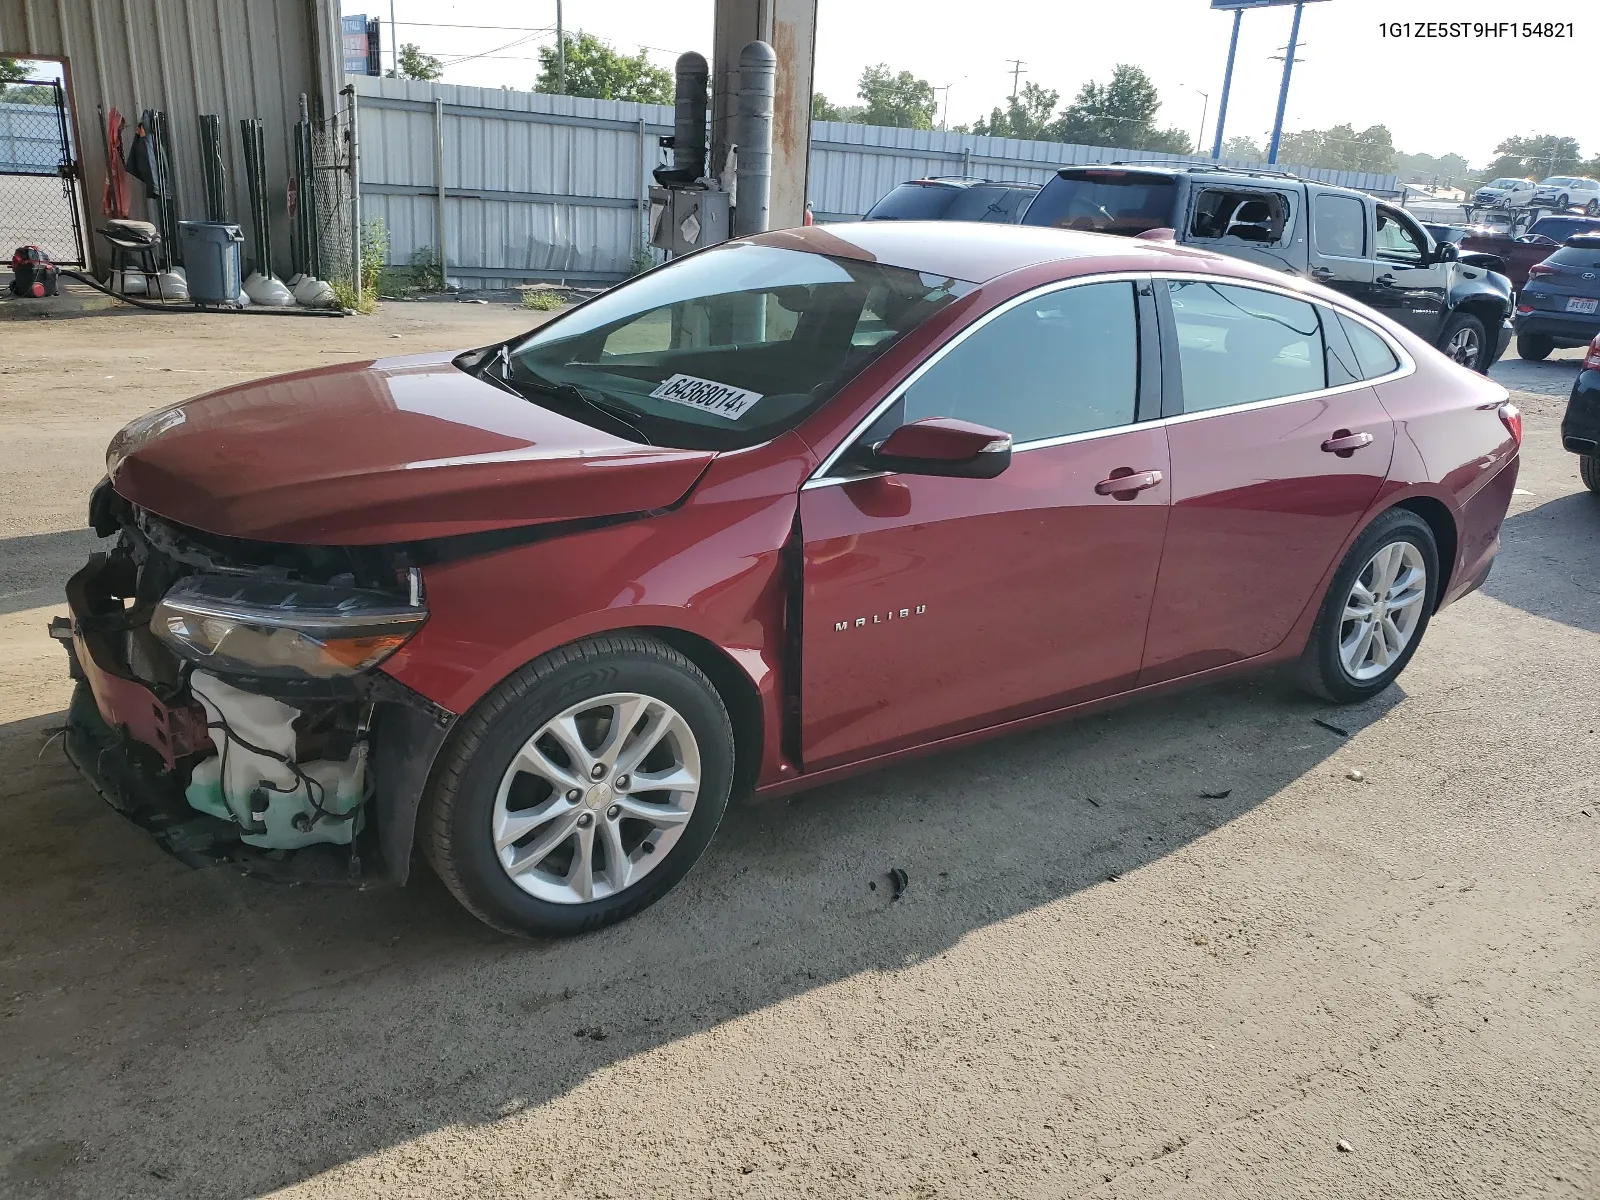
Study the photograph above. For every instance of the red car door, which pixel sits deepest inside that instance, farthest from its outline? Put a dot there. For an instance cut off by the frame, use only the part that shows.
(934, 605)
(1278, 452)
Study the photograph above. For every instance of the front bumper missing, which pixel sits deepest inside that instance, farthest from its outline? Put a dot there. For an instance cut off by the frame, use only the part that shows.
(137, 748)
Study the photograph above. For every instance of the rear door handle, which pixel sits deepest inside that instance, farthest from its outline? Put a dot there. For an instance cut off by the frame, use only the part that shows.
(1386, 280)
(1322, 272)
(1346, 443)
(1125, 487)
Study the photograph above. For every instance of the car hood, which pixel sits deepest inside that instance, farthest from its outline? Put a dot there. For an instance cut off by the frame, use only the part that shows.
(400, 449)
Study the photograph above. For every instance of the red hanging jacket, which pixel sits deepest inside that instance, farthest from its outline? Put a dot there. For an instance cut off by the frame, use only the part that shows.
(115, 201)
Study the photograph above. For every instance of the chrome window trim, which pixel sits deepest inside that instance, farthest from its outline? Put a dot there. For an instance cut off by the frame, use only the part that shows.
(819, 477)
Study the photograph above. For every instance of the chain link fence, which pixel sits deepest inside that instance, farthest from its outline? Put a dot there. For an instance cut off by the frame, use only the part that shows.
(328, 197)
(38, 187)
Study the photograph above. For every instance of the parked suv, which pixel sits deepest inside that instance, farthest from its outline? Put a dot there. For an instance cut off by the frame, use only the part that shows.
(1369, 250)
(1504, 193)
(1000, 203)
(1560, 306)
(1518, 254)
(1569, 191)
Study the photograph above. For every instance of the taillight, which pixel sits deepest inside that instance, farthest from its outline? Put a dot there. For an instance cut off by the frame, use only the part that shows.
(1511, 418)
(1540, 269)
(1524, 308)
(1592, 362)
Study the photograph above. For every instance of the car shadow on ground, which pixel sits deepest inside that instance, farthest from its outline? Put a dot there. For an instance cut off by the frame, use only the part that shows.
(1549, 563)
(144, 999)
(33, 567)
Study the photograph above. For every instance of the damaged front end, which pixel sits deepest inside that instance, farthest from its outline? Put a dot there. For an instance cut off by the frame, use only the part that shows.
(228, 699)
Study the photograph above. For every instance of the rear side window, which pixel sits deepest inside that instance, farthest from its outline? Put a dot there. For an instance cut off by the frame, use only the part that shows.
(1373, 355)
(1125, 202)
(1339, 226)
(1246, 216)
(1059, 364)
(1238, 345)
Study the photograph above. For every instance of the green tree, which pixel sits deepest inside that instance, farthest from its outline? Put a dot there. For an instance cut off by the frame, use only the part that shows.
(1536, 157)
(1030, 115)
(1119, 113)
(823, 109)
(414, 64)
(1341, 148)
(902, 101)
(597, 71)
(1425, 168)
(1246, 149)
(12, 70)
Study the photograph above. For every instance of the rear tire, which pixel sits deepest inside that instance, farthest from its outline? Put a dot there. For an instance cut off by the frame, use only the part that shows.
(1534, 347)
(1592, 208)
(531, 856)
(1465, 341)
(1589, 471)
(1398, 536)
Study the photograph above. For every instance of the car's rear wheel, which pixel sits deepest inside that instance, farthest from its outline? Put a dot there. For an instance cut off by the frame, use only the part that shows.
(1376, 610)
(582, 788)
(1534, 347)
(1592, 208)
(1466, 342)
(1589, 471)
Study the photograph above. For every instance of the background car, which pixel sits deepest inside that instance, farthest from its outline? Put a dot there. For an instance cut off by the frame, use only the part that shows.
(1580, 428)
(1507, 192)
(954, 199)
(1568, 191)
(1518, 253)
(1560, 306)
(794, 507)
(1456, 233)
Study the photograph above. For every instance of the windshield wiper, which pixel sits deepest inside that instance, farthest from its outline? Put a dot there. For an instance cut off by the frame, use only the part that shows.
(615, 415)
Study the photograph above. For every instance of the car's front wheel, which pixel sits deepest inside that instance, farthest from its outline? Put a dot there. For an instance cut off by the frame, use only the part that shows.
(1592, 208)
(1465, 341)
(1376, 610)
(582, 788)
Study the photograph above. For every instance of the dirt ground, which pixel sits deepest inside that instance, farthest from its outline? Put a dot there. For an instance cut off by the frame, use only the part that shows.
(1098, 982)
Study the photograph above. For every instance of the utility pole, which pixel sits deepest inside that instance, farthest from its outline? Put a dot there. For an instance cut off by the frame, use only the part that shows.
(1283, 90)
(944, 121)
(394, 42)
(1017, 71)
(561, 54)
(1227, 84)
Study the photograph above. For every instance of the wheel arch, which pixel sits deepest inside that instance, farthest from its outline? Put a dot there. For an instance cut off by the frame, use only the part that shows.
(1441, 523)
(737, 690)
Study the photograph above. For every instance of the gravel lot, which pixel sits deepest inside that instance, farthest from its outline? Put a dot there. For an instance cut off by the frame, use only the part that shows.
(1098, 983)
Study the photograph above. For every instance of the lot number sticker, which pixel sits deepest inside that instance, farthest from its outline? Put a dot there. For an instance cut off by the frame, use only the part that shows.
(718, 399)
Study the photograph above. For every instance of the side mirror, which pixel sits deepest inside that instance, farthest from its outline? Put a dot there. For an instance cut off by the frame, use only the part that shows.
(943, 446)
(1446, 252)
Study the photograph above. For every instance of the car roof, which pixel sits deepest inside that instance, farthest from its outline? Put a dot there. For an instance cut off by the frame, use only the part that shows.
(978, 252)
(960, 181)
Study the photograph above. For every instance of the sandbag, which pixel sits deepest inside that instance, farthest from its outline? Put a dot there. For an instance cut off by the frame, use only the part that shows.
(267, 291)
(310, 292)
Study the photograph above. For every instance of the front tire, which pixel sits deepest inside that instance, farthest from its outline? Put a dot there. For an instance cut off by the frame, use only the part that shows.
(580, 790)
(1589, 471)
(1592, 208)
(1376, 610)
(1465, 341)
(1534, 347)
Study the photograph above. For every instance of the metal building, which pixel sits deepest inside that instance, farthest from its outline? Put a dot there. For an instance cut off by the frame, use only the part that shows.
(233, 58)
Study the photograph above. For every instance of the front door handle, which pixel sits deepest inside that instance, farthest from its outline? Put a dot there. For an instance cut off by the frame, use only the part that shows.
(1386, 280)
(1322, 272)
(1344, 443)
(1128, 484)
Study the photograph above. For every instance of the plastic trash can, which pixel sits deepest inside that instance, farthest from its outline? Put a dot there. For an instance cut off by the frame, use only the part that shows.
(211, 259)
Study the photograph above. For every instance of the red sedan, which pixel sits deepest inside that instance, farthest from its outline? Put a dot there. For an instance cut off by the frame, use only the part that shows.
(786, 509)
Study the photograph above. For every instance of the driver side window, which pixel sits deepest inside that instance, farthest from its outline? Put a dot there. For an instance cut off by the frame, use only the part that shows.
(1396, 242)
(1059, 364)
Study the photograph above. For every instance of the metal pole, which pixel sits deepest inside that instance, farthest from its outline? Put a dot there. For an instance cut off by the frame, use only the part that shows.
(641, 197)
(438, 180)
(349, 91)
(561, 54)
(1283, 91)
(1227, 82)
(394, 42)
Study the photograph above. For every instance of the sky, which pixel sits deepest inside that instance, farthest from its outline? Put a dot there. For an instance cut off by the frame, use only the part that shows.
(1436, 95)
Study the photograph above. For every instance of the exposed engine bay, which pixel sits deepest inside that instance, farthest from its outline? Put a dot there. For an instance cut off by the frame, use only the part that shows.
(227, 698)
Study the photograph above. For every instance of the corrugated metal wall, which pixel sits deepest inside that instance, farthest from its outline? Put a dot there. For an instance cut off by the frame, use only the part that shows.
(552, 187)
(852, 166)
(536, 186)
(234, 58)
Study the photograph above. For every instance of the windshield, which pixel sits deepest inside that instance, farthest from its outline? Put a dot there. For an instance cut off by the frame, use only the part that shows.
(725, 348)
(1505, 183)
(1125, 202)
(914, 202)
(1557, 181)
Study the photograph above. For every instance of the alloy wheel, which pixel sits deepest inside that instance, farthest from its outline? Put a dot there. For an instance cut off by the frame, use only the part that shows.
(1383, 610)
(595, 800)
(1464, 347)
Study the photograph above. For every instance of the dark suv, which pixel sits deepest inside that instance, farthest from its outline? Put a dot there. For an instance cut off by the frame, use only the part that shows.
(1348, 240)
(1560, 305)
(954, 200)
